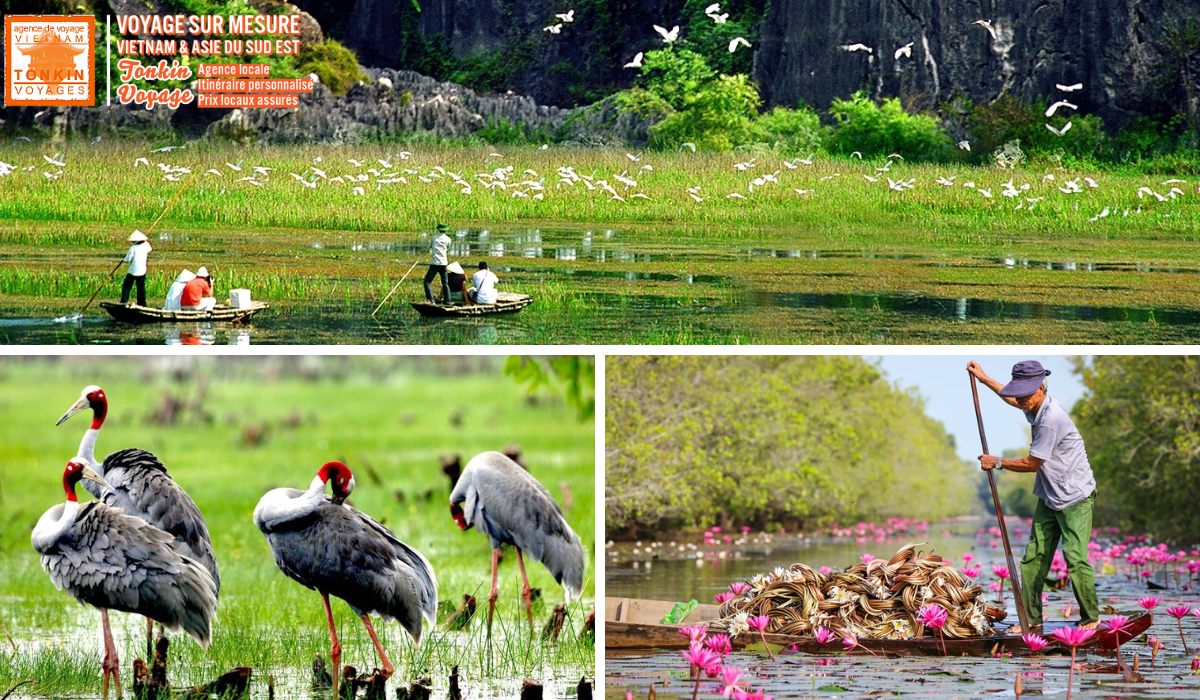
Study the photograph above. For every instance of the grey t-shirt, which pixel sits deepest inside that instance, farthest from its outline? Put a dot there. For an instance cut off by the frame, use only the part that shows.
(1065, 477)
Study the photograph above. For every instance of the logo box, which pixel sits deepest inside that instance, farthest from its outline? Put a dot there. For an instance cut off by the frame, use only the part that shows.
(48, 60)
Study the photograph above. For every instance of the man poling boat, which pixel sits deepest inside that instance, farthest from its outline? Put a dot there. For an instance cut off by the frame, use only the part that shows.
(1064, 485)
(137, 258)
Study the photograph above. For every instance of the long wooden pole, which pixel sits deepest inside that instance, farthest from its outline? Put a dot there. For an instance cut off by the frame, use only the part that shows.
(389, 294)
(148, 232)
(1012, 566)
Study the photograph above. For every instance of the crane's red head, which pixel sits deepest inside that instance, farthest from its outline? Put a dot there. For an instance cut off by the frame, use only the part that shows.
(91, 397)
(338, 476)
(78, 469)
(460, 518)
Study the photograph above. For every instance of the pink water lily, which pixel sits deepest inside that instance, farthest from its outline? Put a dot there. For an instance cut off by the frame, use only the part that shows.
(756, 695)
(694, 633)
(851, 642)
(739, 587)
(1001, 571)
(702, 659)
(1179, 612)
(971, 571)
(934, 616)
(1034, 642)
(719, 643)
(822, 635)
(723, 598)
(1072, 637)
(1155, 647)
(759, 623)
(968, 558)
(731, 676)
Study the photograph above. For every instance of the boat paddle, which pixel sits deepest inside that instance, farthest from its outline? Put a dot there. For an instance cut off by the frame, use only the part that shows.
(389, 294)
(1012, 567)
(148, 232)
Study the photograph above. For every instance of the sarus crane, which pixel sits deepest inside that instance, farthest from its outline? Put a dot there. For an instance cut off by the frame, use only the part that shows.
(140, 485)
(113, 561)
(325, 544)
(503, 501)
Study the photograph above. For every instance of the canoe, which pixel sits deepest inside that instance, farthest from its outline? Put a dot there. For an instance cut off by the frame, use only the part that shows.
(506, 302)
(631, 623)
(132, 313)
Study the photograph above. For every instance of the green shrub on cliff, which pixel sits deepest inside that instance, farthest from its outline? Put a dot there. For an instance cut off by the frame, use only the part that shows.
(1008, 119)
(334, 64)
(790, 131)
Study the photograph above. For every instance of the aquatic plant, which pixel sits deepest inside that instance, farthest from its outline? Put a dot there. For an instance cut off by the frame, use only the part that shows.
(1072, 637)
(1033, 641)
(934, 616)
(1179, 612)
(759, 624)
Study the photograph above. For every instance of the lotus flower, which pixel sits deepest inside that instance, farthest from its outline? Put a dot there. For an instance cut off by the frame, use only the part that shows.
(719, 643)
(1034, 642)
(1179, 612)
(867, 558)
(1195, 664)
(695, 632)
(1001, 571)
(701, 657)
(934, 616)
(1116, 623)
(822, 635)
(756, 695)
(760, 622)
(970, 571)
(730, 676)
(968, 558)
(723, 597)
(739, 587)
(1072, 637)
(850, 642)
(825, 570)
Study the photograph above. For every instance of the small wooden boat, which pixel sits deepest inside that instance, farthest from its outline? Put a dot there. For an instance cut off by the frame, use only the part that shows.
(630, 623)
(132, 313)
(506, 302)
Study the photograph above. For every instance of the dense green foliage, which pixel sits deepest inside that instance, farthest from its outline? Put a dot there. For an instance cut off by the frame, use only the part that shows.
(764, 441)
(1140, 418)
(879, 129)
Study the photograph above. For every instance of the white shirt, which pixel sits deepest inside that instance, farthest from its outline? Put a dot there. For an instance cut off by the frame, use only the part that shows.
(485, 282)
(438, 249)
(136, 257)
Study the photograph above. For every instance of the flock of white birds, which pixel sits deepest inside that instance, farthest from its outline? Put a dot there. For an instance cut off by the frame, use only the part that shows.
(669, 36)
(498, 180)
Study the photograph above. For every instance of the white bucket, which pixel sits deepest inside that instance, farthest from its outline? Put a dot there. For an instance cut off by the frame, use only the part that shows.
(239, 298)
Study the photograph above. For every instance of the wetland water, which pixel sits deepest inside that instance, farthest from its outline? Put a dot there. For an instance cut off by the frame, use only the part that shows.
(601, 285)
(865, 676)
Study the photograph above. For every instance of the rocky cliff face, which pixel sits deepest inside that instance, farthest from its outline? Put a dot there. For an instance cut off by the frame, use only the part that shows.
(1132, 56)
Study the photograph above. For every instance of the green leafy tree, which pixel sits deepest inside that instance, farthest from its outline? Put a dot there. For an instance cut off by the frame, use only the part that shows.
(1140, 421)
(718, 117)
(333, 63)
(571, 376)
(675, 75)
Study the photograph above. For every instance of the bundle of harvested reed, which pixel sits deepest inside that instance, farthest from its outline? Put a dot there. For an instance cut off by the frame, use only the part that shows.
(873, 600)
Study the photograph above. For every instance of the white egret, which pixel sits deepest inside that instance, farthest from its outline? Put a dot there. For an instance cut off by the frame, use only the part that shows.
(668, 37)
(737, 40)
(1060, 132)
(905, 50)
(1061, 103)
(636, 62)
(554, 28)
(857, 47)
(986, 24)
(568, 16)
(1069, 88)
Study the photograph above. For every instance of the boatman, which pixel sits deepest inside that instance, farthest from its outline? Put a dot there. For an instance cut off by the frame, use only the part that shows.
(198, 293)
(1064, 485)
(438, 250)
(136, 274)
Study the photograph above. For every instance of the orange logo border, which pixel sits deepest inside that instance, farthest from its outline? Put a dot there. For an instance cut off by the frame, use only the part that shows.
(88, 20)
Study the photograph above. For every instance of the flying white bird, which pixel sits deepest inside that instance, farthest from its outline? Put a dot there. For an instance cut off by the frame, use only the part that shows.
(634, 158)
(856, 153)
(1069, 88)
(668, 37)
(1060, 132)
(857, 47)
(800, 191)
(734, 44)
(905, 50)
(689, 144)
(1101, 215)
(554, 28)
(57, 160)
(720, 19)
(735, 195)
(964, 145)
(636, 62)
(986, 24)
(713, 9)
(166, 149)
(568, 16)
(141, 161)
(1061, 103)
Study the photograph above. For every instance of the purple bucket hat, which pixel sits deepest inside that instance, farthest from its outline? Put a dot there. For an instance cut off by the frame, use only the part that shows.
(1026, 378)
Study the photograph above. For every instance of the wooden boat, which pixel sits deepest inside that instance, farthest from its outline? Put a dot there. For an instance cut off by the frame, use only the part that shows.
(506, 302)
(630, 623)
(132, 313)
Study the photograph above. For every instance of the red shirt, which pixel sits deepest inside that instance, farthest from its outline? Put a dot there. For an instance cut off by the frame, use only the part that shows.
(194, 291)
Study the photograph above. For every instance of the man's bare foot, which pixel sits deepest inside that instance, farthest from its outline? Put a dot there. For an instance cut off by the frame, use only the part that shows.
(1017, 631)
(1090, 625)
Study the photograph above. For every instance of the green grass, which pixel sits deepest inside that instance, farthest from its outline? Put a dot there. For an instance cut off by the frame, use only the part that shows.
(365, 411)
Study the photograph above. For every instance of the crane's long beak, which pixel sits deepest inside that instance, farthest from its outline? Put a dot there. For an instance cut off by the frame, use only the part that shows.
(93, 476)
(80, 405)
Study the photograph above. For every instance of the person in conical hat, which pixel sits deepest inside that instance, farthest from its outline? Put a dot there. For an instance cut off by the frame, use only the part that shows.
(458, 282)
(137, 256)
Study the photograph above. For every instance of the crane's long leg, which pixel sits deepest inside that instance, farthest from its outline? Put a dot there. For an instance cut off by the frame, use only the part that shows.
(495, 590)
(526, 590)
(149, 640)
(335, 647)
(110, 665)
(387, 669)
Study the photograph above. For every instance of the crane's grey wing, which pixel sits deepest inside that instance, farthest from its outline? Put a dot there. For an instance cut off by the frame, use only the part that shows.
(142, 487)
(511, 506)
(116, 561)
(342, 552)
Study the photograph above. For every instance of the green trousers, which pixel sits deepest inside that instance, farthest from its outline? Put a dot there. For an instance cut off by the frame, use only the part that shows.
(1073, 526)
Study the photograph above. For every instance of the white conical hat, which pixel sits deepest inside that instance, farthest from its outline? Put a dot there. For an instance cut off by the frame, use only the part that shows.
(137, 237)
(455, 268)
(202, 272)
